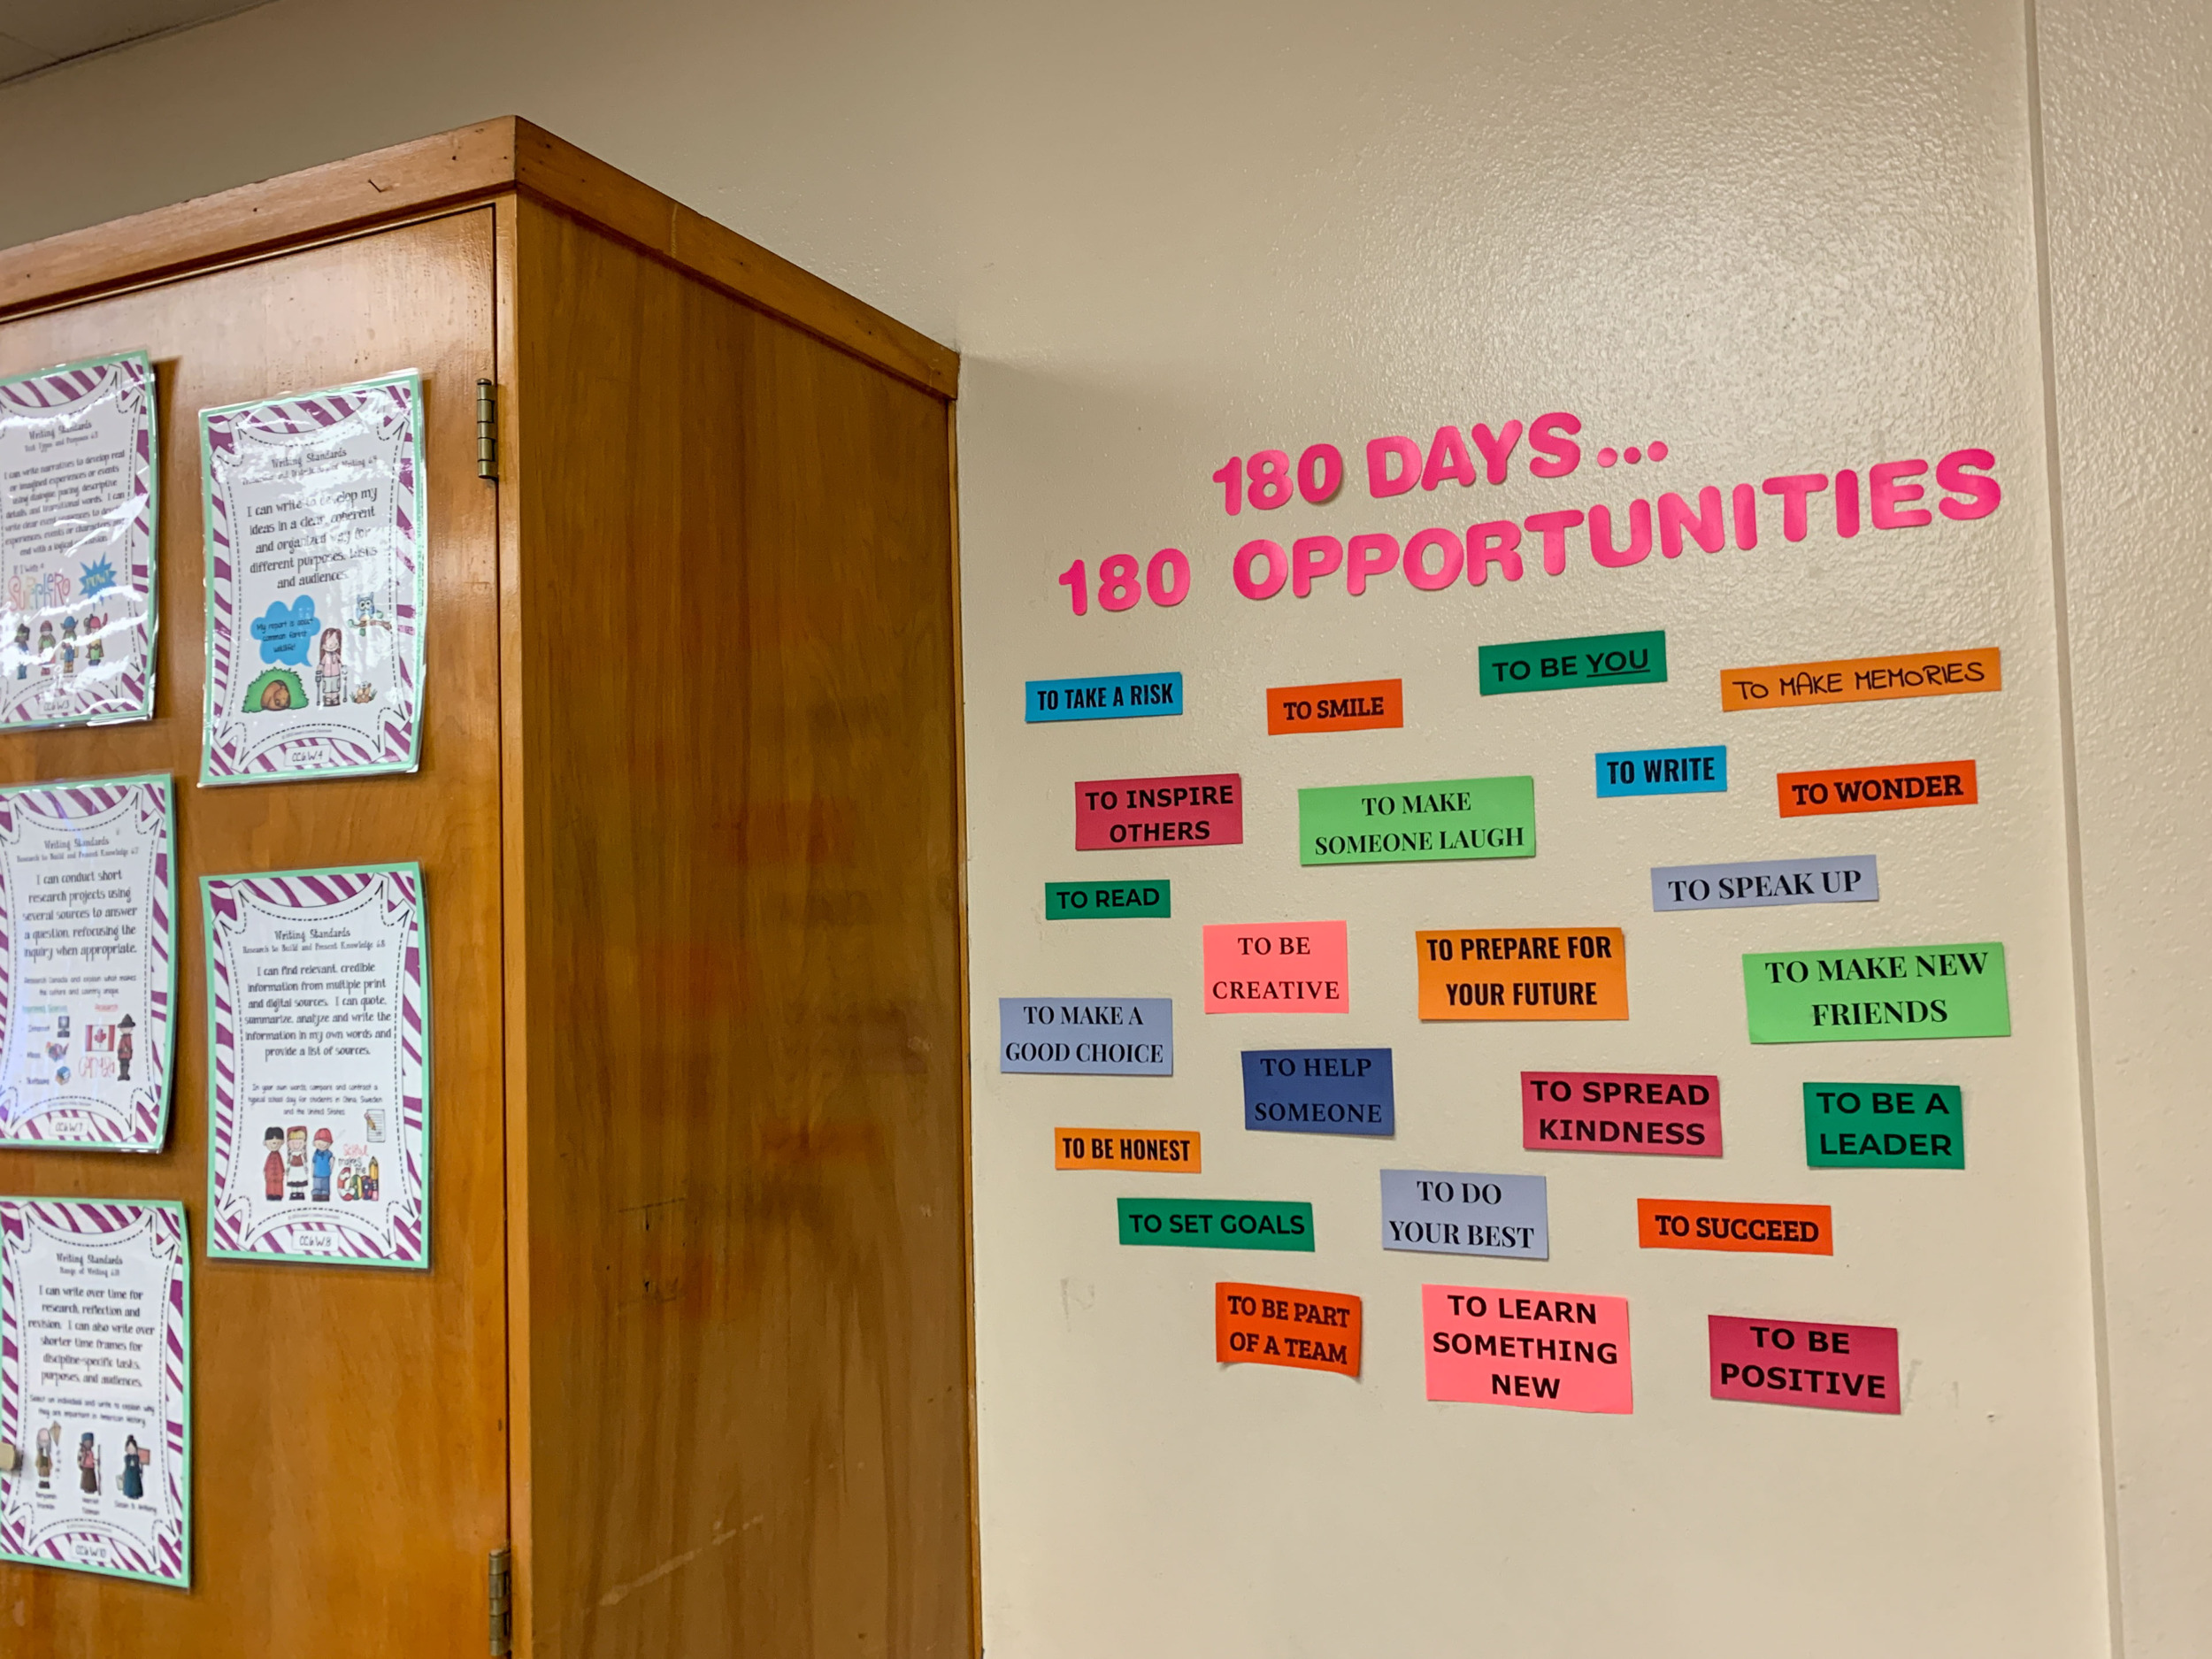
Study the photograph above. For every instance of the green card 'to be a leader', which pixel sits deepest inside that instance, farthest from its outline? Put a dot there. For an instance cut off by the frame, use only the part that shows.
(1879, 995)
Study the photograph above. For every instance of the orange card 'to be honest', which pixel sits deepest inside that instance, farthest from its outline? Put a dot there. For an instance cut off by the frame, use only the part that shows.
(1165, 1151)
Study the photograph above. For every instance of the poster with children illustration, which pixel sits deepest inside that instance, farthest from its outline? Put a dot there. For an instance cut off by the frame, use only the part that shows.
(78, 479)
(95, 1387)
(88, 976)
(315, 583)
(318, 1070)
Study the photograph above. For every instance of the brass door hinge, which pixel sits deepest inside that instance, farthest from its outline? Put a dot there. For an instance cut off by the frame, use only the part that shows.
(500, 1585)
(487, 431)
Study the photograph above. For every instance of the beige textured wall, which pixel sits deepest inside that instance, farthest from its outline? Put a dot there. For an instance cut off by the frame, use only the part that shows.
(1778, 236)
(1829, 255)
(2127, 126)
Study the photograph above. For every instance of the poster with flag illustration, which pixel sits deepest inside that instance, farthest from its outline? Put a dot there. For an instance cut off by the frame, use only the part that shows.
(87, 963)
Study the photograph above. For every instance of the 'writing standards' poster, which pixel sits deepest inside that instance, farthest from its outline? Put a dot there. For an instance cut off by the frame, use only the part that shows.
(318, 1070)
(77, 483)
(314, 583)
(95, 1358)
(88, 975)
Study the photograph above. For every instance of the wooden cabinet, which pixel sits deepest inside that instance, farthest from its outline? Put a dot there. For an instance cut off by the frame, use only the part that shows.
(694, 1335)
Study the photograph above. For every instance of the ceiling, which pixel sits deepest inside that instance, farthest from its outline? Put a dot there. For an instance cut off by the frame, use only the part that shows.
(37, 34)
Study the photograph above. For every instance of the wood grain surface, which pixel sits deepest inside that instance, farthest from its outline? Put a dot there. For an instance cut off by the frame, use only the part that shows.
(689, 818)
(737, 1091)
(350, 1447)
(427, 174)
(556, 171)
(317, 203)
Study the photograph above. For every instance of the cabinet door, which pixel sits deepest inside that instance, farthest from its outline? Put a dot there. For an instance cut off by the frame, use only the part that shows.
(349, 1440)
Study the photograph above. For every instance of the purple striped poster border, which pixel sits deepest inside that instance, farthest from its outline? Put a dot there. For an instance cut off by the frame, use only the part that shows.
(83, 806)
(116, 1224)
(233, 750)
(327, 1233)
(124, 689)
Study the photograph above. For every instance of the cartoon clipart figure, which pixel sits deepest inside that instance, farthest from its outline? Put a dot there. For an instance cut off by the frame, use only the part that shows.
(23, 650)
(296, 1163)
(273, 1167)
(69, 645)
(133, 1467)
(368, 614)
(45, 1461)
(45, 647)
(88, 1465)
(330, 669)
(95, 650)
(349, 1181)
(124, 1047)
(273, 690)
(370, 1182)
(322, 1166)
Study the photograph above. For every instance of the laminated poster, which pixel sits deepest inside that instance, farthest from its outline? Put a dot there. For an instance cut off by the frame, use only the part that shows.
(95, 1387)
(319, 1068)
(78, 477)
(87, 971)
(315, 583)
